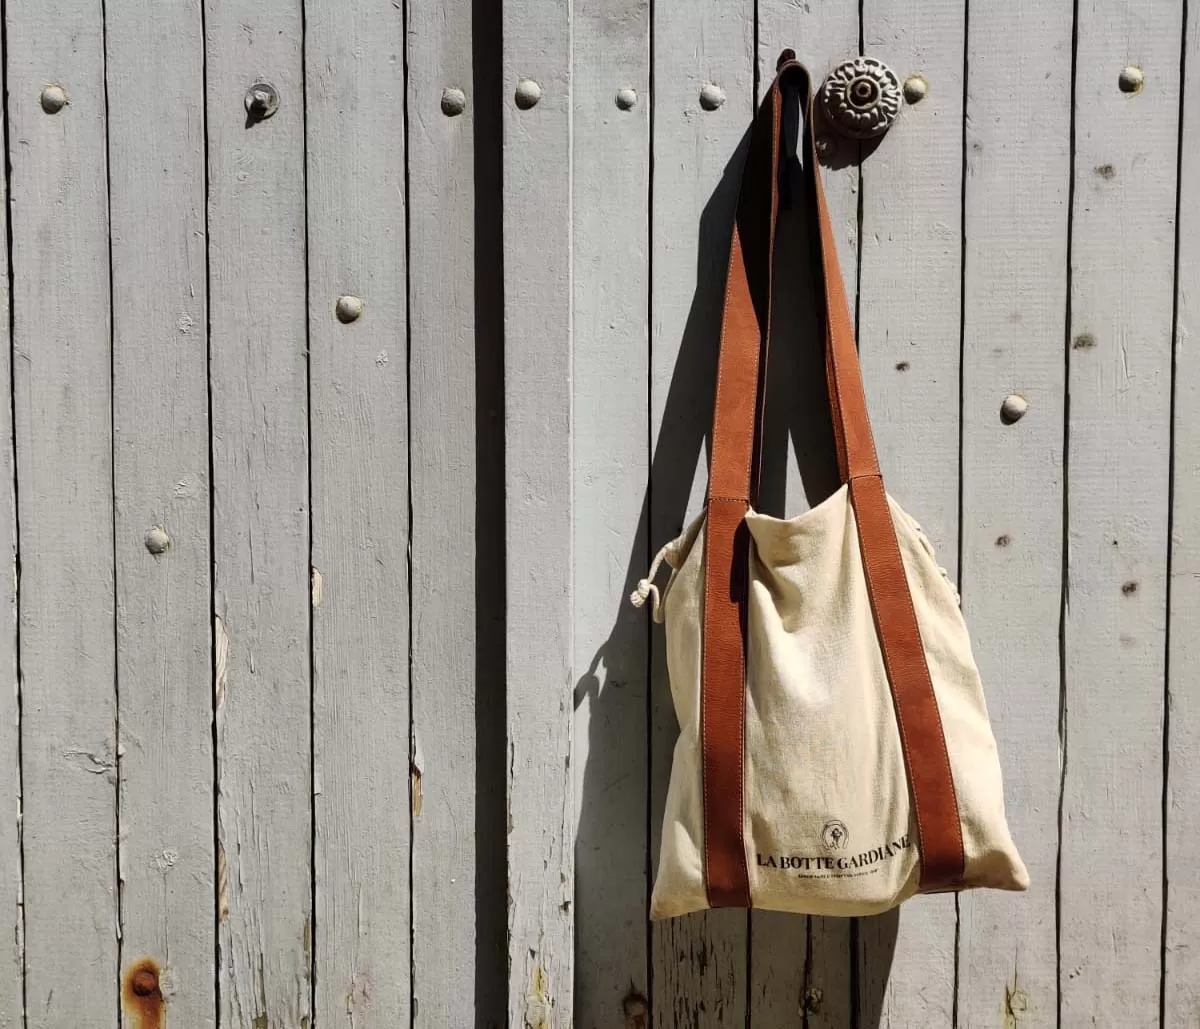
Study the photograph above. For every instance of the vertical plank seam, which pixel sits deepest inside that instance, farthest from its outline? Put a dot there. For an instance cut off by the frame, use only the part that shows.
(408, 468)
(312, 667)
(648, 542)
(962, 354)
(1065, 578)
(1166, 729)
(112, 485)
(14, 487)
(218, 845)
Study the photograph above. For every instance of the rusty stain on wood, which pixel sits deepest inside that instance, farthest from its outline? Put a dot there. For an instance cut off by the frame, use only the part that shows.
(539, 1003)
(141, 995)
(417, 798)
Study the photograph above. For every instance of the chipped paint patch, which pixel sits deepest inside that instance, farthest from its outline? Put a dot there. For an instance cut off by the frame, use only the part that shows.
(318, 587)
(142, 996)
(415, 761)
(222, 883)
(637, 1010)
(538, 1003)
(221, 638)
(1016, 1003)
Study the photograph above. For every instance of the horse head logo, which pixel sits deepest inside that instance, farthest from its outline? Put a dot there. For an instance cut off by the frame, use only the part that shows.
(835, 835)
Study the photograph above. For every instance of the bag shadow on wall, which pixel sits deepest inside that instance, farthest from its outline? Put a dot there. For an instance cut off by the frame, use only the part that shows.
(632, 727)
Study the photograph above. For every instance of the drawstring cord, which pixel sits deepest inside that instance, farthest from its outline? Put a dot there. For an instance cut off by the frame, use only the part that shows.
(646, 587)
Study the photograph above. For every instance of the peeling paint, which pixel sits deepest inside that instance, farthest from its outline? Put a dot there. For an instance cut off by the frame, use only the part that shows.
(1016, 1003)
(222, 646)
(141, 995)
(637, 1010)
(318, 587)
(415, 762)
(222, 883)
(538, 1004)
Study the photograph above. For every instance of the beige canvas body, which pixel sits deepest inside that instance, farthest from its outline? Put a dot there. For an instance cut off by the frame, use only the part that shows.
(828, 820)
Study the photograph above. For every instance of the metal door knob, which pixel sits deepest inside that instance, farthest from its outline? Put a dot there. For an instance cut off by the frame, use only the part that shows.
(861, 97)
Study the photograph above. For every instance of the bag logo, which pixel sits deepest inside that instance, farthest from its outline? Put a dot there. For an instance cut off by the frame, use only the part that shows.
(835, 835)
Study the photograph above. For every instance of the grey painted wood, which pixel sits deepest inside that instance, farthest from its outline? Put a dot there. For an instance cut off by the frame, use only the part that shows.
(699, 961)
(1181, 957)
(801, 966)
(63, 414)
(538, 508)
(360, 501)
(442, 282)
(261, 577)
(12, 1009)
(1015, 267)
(610, 293)
(909, 337)
(1118, 429)
(161, 477)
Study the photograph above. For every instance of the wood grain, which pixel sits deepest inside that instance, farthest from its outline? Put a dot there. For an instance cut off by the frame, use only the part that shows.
(1181, 955)
(12, 953)
(1118, 439)
(610, 293)
(161, 476)
(360, 501)
(62, 347)
(446, 874)
(699, 962)
(909, 338)
(538, 429)
(1015, 267)
(261, 560)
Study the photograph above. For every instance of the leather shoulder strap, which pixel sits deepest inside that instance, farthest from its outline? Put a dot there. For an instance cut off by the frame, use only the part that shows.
(744, 330)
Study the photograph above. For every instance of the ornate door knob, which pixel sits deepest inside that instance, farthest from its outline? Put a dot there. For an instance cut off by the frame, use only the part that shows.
(861, 97)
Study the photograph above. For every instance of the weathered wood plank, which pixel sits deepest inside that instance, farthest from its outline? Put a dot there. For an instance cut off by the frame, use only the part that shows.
(1015, 266)
(538, 531)
(610, 289)
(160, 453)
(63, 413)
(354, 70)
(1118, 440)
(450, 984)
(12, 954)
(446, 983)
(259, 386)
(801, 967)
(1181, 973)
(699, 962)
(909, 336)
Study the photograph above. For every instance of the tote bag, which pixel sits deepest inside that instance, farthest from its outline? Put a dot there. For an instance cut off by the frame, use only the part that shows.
(834, 753)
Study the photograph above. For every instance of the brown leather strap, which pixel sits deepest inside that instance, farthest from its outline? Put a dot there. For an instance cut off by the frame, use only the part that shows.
(740, 374)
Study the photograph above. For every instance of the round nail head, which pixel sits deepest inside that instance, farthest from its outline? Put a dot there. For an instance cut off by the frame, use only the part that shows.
(1131, 79)
(1013, 409)
(916, 89)
(626, 99)
(711, 97)
(54, 99)
(262, 101)
(528, 94)
(158, 542)
(454, 101)
(348, 308)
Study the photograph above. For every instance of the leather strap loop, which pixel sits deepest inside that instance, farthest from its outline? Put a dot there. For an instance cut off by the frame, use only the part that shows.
(737, 416)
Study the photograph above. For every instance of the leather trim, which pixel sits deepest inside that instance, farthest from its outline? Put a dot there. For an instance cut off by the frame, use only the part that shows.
(723, 704)
(935, 804)
(740, 378)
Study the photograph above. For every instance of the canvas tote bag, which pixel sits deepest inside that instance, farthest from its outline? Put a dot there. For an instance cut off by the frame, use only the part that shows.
(834, 754)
